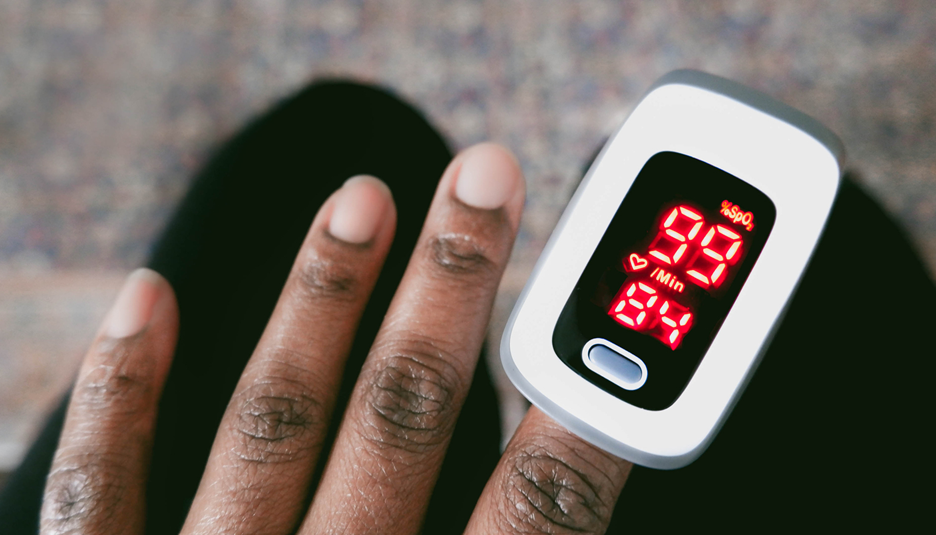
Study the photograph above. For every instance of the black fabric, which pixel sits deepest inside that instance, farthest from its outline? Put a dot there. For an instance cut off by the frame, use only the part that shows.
(830, 433)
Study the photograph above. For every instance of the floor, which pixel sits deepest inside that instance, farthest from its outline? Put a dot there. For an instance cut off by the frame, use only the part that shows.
(107, 108)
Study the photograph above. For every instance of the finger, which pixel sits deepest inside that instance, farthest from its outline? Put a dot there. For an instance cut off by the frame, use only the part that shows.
(549, 481)
(401, 416)
(98, 476)
(271, 434)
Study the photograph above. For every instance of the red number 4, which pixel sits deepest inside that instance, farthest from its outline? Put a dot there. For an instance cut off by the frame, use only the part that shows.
(675, 321)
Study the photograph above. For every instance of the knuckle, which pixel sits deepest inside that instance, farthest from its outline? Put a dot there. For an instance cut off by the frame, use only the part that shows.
(323, 278)
(116, 380)
(545, 492)
(82, 493)
(277, 420)
(461, 254)
(410, 404)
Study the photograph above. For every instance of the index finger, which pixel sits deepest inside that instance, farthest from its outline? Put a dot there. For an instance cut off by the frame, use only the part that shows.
(550, 481)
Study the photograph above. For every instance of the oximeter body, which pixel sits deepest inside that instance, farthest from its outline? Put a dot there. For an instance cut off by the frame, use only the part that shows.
(671, 267)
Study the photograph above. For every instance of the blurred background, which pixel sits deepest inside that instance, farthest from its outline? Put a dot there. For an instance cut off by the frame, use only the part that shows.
(108, 107)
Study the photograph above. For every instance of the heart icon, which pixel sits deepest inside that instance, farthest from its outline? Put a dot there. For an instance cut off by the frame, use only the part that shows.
(637, 263)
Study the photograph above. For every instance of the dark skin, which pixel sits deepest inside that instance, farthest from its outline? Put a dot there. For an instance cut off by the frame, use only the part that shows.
(392, 440)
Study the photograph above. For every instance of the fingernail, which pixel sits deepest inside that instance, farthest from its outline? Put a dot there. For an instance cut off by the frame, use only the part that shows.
(360, 208)
(488, 178)
(133, 308)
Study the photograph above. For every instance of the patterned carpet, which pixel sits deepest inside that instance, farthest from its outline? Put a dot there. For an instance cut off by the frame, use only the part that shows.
(107, 107)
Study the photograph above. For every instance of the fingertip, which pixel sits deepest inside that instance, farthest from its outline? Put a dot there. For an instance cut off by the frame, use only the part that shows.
(138, 298)
(361, 208)
(113, 408)
(489, 177)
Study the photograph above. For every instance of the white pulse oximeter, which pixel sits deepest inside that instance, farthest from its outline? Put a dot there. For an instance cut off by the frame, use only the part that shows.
(671, 268)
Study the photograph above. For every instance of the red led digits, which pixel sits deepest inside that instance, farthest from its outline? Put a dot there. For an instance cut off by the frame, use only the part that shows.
(634, 305)
(719, 248)
(679, 228)
(638, 306)
(675, 322)
(645, 302)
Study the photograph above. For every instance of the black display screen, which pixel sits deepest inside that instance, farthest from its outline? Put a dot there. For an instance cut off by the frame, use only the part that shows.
(665, 274)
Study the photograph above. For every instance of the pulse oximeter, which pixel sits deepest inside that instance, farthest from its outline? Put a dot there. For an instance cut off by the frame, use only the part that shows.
(671, 268)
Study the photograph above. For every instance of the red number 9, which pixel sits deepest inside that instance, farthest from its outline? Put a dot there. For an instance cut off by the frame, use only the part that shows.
(720, 248)
(679, 228)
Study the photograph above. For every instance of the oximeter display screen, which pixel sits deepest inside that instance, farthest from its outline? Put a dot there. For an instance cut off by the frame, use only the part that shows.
(666, 274)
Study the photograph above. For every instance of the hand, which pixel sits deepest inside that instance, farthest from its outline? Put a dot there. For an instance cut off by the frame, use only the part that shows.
(395, 431)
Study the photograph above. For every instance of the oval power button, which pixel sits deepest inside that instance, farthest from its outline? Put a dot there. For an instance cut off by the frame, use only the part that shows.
(615, 364)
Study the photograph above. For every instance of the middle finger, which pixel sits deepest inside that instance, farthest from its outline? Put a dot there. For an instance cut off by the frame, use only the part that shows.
(273, 429)
(402, 413)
